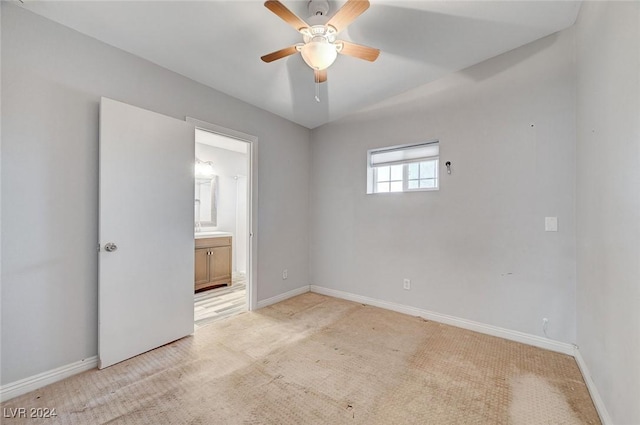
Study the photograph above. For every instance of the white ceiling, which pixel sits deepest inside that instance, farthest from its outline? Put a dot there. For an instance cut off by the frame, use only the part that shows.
(219, 44)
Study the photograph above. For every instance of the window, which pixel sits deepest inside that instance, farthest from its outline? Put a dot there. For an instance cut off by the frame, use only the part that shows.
(404, 168)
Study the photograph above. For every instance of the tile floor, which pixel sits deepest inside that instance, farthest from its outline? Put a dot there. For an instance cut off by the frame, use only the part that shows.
(220, 303)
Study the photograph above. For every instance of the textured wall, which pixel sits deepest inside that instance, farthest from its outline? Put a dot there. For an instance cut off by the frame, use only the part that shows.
(608, 202)
(52, 80)
(476, 248)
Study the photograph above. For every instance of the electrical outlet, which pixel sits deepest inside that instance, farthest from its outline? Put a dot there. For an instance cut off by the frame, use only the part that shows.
(406, 284)
(545, 323)
(285, 274)
(551, 224)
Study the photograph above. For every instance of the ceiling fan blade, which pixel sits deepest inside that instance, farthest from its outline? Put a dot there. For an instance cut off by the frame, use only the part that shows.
(285, 14)
(356, 50)
(348, 13)
(282, 53)
(320, 76)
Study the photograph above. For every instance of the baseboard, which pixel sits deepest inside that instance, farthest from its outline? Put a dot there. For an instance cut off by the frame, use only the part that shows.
(282, 297)
(23, 386)
(32, 383)
(536, 341)
(593, 390)
(40, 380)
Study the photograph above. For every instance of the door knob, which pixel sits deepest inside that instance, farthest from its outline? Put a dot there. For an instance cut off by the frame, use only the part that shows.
(110, 247)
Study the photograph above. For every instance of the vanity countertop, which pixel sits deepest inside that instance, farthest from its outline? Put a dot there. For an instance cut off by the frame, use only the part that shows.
(202, 235)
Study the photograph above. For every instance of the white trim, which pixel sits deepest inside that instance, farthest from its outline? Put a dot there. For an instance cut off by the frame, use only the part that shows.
(524, 338)
(536, 341)
(252, 202)
(252, 225)
(593, 390)
(222, 130)
(282, 297)
(40, 380)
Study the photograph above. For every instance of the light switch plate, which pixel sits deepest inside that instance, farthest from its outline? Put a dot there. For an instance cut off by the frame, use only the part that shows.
(551, 224)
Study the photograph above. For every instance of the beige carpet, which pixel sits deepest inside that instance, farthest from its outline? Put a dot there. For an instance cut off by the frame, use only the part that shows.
(319, 360)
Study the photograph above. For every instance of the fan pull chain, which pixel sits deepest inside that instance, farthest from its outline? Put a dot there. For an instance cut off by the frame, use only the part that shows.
(317, 75)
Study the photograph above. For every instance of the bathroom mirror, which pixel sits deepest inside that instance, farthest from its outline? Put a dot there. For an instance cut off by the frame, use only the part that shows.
(206, 201)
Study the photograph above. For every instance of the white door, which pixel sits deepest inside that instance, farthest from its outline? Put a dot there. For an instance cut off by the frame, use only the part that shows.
(146, 240)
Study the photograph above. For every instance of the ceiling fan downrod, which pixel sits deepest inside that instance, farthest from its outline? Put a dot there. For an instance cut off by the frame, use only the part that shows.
(318, 7)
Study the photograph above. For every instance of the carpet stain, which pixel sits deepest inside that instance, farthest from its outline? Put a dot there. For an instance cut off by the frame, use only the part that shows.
(313, 359)
(536, 401)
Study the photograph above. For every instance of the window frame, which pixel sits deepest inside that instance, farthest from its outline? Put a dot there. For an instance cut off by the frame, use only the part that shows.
(375, 181)
(372, 170)
(405, 187)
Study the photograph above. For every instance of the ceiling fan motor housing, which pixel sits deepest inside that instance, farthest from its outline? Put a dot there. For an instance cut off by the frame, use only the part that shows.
(319, 33)
(320, 46)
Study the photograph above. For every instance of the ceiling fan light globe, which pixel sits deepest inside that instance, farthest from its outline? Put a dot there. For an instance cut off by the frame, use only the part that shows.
(319, 55)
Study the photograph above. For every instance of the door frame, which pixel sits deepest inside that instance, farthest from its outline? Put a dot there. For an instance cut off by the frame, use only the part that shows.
(252, 201)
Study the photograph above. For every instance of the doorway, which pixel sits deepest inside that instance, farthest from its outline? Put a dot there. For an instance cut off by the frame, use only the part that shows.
(224, 214)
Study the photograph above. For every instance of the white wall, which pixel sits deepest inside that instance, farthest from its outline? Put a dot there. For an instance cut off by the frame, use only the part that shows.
(232, 201)
(477, 248)
(0, 196)
(52, 79)
(608, 202)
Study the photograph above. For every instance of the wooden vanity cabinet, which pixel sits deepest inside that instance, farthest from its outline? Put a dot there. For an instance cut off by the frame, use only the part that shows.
(212, 262)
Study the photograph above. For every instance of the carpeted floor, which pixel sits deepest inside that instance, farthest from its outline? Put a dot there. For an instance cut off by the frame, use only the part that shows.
(319, 360)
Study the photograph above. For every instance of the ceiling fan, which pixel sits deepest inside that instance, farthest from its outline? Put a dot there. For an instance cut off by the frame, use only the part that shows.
(320, 47)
